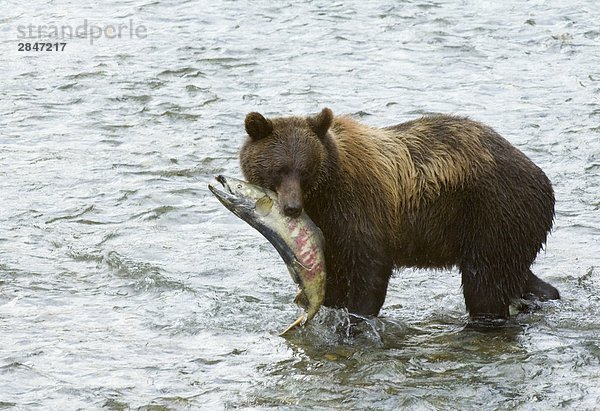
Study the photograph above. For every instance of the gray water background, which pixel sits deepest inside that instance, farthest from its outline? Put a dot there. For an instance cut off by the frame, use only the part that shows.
(125, 285)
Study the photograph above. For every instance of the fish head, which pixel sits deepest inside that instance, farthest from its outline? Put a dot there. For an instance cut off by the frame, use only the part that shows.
(244, 199)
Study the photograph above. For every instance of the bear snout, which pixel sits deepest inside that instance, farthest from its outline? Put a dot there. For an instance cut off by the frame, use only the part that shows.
(290, 197)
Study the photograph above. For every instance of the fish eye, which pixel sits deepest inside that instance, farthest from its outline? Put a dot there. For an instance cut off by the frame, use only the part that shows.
(239, 186)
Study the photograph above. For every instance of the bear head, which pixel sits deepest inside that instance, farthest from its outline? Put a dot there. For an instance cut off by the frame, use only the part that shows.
(286, 155)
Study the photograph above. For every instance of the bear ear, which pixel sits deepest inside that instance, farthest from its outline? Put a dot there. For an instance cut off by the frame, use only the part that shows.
(257, 126)
(321, 122)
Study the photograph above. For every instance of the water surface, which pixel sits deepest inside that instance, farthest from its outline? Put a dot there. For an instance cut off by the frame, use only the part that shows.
(125, 285)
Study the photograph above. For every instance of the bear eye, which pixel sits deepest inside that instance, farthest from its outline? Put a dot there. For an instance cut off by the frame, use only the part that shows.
(282, 170)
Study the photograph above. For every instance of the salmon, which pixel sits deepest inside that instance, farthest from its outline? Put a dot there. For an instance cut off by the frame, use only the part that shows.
(298, 240)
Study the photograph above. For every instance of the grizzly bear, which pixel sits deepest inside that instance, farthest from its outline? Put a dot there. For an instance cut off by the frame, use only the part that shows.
(435, 192)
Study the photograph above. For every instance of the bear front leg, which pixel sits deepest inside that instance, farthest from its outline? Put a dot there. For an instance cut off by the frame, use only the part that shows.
(336, 285)
(368, 282)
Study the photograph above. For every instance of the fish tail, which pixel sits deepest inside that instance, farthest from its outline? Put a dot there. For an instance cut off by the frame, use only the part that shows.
(296, 323)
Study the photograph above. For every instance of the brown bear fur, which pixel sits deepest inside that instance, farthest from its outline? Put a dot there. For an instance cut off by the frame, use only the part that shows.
(436, 192)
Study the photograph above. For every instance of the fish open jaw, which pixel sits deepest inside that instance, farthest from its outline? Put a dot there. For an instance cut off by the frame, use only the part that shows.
(235, 202)
(227, 192)
(223, 180)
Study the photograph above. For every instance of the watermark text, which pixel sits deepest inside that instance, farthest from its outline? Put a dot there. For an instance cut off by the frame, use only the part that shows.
(86, 30)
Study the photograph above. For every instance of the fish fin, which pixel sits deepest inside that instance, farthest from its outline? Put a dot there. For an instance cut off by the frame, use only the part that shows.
(301, 300)
(296, 261)
(299, 321)
(264, 205)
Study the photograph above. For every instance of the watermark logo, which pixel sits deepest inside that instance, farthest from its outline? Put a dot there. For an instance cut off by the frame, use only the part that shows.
(86, 30)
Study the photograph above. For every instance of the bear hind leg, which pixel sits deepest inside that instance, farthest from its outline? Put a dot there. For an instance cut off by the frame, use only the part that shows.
(486, 300)
(537, 288)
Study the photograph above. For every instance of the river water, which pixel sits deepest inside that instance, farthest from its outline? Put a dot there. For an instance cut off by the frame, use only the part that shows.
(124, 284)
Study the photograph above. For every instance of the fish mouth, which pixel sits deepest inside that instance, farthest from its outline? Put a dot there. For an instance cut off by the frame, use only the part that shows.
(225, 194)
(227, 197)
(220, 193)
(223, 180)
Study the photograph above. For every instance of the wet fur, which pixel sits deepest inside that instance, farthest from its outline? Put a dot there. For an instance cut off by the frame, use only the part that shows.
(436, 192)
